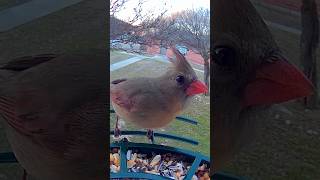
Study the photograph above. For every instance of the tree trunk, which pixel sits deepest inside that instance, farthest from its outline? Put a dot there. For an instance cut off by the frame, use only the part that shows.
(308, 45)
(207, 74)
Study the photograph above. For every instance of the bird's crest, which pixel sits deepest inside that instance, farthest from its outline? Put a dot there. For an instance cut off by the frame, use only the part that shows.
(180, 63)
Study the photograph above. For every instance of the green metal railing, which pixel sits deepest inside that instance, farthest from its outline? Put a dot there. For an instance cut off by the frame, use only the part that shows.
(198, 158)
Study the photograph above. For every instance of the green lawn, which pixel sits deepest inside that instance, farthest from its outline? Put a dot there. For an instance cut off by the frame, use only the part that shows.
(283, 150)
(199, 109)
(118, 56)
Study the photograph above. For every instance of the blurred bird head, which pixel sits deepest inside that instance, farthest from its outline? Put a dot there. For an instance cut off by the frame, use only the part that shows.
(183, 77)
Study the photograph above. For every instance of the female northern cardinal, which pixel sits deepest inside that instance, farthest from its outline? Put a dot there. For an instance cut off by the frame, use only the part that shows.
(55, 111)
(154, 102)
(248, 72)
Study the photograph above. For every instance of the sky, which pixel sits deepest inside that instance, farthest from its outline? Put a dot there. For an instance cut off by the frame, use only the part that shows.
(158, 5)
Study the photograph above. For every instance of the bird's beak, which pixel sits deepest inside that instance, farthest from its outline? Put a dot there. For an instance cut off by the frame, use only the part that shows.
(196, 87)
(276, 82)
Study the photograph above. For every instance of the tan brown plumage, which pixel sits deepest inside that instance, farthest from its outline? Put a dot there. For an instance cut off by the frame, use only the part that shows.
(55, 111)
(249, 74)
(155, 102)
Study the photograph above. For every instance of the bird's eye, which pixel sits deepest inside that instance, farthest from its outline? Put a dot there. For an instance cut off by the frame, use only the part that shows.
(180, 79)
(225, 56)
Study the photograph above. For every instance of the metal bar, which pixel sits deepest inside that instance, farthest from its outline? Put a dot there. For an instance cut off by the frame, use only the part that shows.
(156, 134)
(8, 157)
(186, 119)
(123, 159)
(161, 147)
(194, 167)
(138, 175)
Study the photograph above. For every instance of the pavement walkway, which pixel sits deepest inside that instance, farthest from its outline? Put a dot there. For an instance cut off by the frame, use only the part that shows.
(126, 62)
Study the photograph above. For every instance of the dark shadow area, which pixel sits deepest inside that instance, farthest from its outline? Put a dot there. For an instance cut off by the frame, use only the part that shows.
(77, 28)
(279, 137)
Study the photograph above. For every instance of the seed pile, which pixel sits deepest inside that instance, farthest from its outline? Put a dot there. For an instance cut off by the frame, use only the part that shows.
(202, 172)
(173, 166)
(115, 160)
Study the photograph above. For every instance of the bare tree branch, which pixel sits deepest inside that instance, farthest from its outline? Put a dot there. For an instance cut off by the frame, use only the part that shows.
(194, 31)
(116, 6)
(139, 23)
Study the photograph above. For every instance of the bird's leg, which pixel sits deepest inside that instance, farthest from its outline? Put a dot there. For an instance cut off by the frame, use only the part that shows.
(117, 131)
(24, 176)
(150, 135)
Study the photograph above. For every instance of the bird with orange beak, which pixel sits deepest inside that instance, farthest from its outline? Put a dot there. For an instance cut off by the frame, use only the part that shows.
(250, 74)
(154, 102)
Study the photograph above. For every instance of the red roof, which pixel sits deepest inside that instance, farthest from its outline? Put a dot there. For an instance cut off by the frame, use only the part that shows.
(191, 55)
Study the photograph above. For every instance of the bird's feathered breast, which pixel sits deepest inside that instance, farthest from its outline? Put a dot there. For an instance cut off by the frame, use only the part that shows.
(137, 94)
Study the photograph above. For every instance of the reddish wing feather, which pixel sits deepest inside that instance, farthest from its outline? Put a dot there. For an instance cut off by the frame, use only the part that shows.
(121, 100)
(7, 109)
(27, 124)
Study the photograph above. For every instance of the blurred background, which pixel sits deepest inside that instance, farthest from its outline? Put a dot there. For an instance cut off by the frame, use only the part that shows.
(141, 32)
(288, 147)
(30, 27)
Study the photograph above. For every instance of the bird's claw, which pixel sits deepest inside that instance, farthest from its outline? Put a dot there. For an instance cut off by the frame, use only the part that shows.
(150, 136)
(117, 133)
(24, 176)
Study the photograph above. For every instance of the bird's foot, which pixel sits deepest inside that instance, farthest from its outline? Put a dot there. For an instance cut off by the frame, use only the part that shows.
(150, 135)
(117, 132)
(24, 176)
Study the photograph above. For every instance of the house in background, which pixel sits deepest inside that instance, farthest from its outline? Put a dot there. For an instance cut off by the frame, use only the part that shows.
(118, 28)
(122, 36)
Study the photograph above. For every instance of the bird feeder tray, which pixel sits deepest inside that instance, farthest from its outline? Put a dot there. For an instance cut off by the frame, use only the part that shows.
(196, 158)
(8, 157)
(124, 146)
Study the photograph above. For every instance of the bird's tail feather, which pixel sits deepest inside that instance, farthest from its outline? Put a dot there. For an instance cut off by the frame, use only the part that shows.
(26, 62)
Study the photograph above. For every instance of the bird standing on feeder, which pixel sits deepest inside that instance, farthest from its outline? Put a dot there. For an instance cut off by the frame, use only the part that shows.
(55, 110)
(154, 102)
(249, 74)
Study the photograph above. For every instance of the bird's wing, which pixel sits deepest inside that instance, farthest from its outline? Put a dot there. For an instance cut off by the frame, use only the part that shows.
(134, 94)
(36, 100)
(86, 132)
(140, 94)
(119, 94)
(122, 100)
(10, 104)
